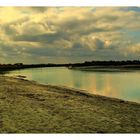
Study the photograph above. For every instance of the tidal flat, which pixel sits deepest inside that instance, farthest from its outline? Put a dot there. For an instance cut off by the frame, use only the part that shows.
(30, 107)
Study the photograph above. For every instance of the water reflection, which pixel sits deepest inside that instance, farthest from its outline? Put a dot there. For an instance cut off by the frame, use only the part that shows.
(124, 85)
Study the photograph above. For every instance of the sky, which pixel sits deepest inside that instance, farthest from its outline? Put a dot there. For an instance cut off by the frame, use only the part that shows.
(69, 34)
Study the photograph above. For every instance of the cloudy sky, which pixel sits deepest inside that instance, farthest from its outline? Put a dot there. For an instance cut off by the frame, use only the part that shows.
(68, 34)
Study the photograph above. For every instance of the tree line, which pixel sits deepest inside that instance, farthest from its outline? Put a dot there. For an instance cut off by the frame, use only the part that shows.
(129, 63)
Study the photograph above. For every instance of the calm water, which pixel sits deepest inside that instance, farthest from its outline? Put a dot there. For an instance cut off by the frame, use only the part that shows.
(123, 85)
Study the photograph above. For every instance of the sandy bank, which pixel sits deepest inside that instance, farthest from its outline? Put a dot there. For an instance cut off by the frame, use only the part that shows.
(28, 107)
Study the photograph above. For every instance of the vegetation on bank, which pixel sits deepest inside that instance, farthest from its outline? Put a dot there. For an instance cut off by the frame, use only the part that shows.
(8, 67)
(109, 64)
(28, 107)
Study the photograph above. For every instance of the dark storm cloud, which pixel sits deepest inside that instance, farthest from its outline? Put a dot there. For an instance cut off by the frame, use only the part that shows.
(43, 38)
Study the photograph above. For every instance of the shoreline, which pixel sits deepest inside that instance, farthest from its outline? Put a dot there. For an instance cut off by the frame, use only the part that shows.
(70, 89)
(105, 68)
(55, 109)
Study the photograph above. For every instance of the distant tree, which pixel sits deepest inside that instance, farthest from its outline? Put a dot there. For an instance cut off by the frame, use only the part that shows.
(18, 64)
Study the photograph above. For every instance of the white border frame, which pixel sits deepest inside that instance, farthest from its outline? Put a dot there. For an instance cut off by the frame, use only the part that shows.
(70, 2)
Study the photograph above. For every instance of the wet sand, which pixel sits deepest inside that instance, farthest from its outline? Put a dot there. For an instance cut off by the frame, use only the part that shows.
(29, 107)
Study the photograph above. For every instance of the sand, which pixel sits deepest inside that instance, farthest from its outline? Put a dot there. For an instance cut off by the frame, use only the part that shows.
(29, 107)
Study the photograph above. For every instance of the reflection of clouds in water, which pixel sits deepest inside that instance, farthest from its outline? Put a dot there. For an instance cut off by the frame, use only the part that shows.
(111, 85)
(109, 89)
(102, 85)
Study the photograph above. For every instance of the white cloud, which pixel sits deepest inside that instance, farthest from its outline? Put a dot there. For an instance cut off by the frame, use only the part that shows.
(70, 31)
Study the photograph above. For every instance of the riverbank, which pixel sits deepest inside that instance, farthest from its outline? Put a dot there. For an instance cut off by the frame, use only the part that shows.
(28, 107)
(127, 68)
(19, 66)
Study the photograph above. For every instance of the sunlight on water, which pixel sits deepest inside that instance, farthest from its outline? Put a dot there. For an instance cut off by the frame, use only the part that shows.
(123, 85)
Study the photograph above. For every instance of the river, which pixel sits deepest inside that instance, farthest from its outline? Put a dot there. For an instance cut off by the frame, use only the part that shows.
(123, 85)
